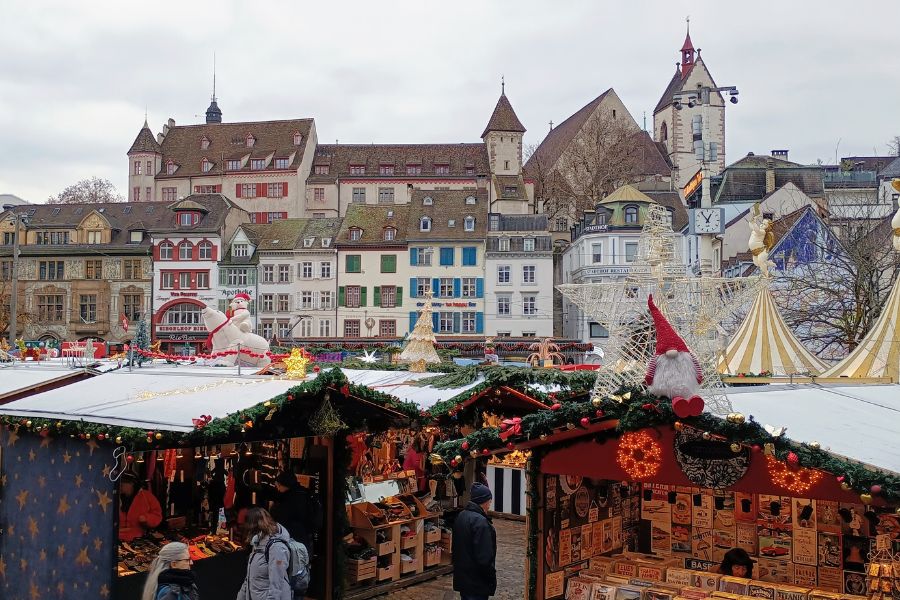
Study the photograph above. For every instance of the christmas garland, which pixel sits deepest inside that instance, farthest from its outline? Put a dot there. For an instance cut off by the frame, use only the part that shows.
(634, 409)
(249, 423)
(533, 509)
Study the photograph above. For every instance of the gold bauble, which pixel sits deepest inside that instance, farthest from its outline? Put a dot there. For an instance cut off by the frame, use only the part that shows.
(866, 498)
(736, 418)
(679, 425)
(27, 423)
(735, 447)
(570, 425)
(707, 435)
(267, 404)
(596, 401)
(845, 486)
(815, 445)
(457, 458)
(118, 439)
(544, 437)
(473, 454)
(87, 436)
(158, 436)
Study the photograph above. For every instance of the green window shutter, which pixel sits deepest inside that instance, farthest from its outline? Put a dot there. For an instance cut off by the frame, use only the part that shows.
(388, 263)
(362, 296)
(357, 264)
(252, 277)
(341, 296)
(377, 299)
(399, 296)
(353, 263)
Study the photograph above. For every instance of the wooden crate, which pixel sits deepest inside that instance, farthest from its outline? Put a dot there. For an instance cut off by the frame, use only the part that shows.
(410, 541)
(432, 536)
(386, 547)
(388, 572)
(433, 558)
(361, 570)
(408, 566)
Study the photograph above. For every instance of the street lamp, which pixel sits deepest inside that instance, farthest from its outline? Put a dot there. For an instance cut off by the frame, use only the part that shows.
(706, 151)
(300, 319)
(14, 295)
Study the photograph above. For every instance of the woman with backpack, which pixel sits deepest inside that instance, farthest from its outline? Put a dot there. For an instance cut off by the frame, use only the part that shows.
(170, 576)
(270, 556)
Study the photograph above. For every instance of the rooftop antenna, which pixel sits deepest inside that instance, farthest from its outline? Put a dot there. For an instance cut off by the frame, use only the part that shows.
(502, 85)
(214, 78)
(688, 20)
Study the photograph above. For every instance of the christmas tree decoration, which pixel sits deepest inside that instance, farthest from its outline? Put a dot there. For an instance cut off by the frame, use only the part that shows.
(327, 421)
(419, 349)
(639, 455)
(141, 341)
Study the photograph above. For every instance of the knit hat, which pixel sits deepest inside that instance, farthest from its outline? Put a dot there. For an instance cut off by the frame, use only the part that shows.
(242, 296)
(480, 493)
(666, 336)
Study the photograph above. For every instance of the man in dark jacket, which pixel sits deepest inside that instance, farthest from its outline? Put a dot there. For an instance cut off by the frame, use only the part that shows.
(475, 548)
(292, 508)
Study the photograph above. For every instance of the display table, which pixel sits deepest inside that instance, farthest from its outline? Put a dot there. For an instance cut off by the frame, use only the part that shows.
(220, 576)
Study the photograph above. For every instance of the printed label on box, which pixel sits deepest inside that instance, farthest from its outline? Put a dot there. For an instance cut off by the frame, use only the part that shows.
(554, 584)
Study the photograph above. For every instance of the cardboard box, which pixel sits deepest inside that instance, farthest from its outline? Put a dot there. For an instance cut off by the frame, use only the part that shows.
(707, 581)
(603, 591)
(433, 558)
(734, 585)
(680, 577)
(761, 589)
(629, 592)
(408, 566)
(790, 592)
(651, 572)
(625, 568)
(823, 595)
(660, 593)
(578, 588)
(726, 596)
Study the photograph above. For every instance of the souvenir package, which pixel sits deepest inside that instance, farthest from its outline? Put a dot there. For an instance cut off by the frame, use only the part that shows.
(629, 592)
(695, 593)
(603, 591)
(651, 572)
(707, 581)
(820, 595)
(790, 592)
(601, 565)
(680, 577)
(759, 589)
(726, 595)
(660, 593)
(734, 585)
(578, 588)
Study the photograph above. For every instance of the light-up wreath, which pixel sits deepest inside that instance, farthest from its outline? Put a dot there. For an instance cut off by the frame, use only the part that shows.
(794, 479)
(639, 455)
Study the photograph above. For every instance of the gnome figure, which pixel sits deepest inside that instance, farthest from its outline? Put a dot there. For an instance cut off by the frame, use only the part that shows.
(674, 372)
(240, 312)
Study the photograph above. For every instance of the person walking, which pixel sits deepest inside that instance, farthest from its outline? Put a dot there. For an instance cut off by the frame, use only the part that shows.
(475, 548)
(170, 576)
(267, 567)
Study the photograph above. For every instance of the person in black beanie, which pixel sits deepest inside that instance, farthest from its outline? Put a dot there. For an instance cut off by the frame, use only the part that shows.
(292, 508)
(475, 548)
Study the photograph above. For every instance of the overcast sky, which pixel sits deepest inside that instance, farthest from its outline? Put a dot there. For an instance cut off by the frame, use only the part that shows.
(75, 77)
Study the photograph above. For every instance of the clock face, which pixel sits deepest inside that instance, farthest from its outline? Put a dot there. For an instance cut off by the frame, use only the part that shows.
(707, 220)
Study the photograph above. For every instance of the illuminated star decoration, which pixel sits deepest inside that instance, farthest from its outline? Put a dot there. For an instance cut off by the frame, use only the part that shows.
(694, 306)
(296, 364)
(367, 357)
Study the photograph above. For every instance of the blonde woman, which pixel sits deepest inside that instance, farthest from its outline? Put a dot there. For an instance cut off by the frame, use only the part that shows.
(170, 576)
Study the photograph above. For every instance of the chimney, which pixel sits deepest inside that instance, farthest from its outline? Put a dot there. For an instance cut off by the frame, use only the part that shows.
(481, 182)
(782, 154)
(770, 175)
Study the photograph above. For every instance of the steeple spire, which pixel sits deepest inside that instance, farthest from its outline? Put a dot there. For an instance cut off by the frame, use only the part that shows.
(687, 50)
(502, 85)
(213, 113)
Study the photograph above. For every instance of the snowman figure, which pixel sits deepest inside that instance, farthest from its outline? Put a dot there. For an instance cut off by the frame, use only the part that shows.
(240, 312)
(674, 372)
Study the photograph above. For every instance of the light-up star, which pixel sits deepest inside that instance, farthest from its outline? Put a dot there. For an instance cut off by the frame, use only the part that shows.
(67, 457)
(12, 439)
(368, 358)
(31, 456)
(79, 479)
(85, 528)
(104, 591)
(33, 527)
(98, 543)
(296, 364)
(61, 550)
(22, 498)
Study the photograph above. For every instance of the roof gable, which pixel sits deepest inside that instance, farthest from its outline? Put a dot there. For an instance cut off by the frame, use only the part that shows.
(144, 142)
(503, 118)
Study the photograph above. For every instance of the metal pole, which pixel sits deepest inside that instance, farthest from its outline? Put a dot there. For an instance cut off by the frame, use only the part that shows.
(14, 296)
(239, 359)
(705, 197)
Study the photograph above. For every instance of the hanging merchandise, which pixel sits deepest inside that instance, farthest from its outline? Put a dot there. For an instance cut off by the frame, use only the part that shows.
(710, 463)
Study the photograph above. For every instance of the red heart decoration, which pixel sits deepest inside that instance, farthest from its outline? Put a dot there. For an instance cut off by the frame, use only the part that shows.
(695, 406)
(681, 407)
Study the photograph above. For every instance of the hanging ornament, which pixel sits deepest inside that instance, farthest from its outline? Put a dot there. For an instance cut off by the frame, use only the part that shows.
(465, 445)
(735, 447)
(327, 421)
(118, 439)
(585, 421)
(510, 445)
(485, 452)
(793, 459)
(815, 445)
(158, 436)
(866, 498)
(735, 418)
(556, 406)
(639, 455)
(597, 401)
(845, 486)
(875, 489)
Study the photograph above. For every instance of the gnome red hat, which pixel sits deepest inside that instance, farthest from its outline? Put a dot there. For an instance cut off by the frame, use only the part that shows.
(242, 296)
(666, 336)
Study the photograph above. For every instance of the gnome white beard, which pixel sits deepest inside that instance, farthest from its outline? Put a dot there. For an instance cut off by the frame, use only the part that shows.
(675, 376)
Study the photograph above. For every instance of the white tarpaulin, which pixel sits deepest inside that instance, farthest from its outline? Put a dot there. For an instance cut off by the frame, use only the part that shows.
(859, 422)
(21, 377)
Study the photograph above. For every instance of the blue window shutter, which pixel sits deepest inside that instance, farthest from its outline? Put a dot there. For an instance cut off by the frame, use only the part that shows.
(434, 322)
(436, 287)
(413, 256)
(457, 287)
(457, 321)
(469, 257)
(479, 322)
(446, 257)
(413, 317)
(413, 288)
(479, 287)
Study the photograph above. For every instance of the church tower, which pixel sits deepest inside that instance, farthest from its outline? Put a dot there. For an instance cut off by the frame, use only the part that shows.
(503, 139)
(682, 129)
(144, 162)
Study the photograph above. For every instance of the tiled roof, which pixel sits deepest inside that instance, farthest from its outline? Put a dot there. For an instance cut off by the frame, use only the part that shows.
(144, 142)
(652, 158)
(627, 193)
(503, 118)
(556, 142)
(340, 157)
(674, 86)
(761, 161)
(182, 145)
(319, 230)
(447, 206)
(216, 206)
(280, 234)
(892, 170)
(501, 182)
(868, 163)
(373, 219)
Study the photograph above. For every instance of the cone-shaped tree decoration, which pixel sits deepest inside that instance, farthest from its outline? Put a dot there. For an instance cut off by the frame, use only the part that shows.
(142, 342)
(327, 421)
(420, 342)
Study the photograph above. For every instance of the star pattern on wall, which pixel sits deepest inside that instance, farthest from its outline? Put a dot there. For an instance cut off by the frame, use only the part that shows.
(103, 500)
(63, 507)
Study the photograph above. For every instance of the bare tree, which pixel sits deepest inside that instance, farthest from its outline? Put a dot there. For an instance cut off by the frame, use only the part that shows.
(88, 191)
(23, 317)
(832, 293)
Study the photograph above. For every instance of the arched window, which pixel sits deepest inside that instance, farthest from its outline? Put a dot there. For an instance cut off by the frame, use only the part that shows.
(425, 224)
(427, 201)
(469, 224)
(631, 215)
(389, 234)
(663, 132)
(183, 313)
(165, 250)
(170, 168)
(185, 251)
(204, 251)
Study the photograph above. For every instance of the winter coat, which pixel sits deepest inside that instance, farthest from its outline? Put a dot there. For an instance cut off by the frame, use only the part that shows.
(177, 584)
(268, 580)
(144, 505)
(293, 510)
(474, 553)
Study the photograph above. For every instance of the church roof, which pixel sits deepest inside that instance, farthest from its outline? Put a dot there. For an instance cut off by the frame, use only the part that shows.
(688, 44)
(764, 343)
(503, 118)
(144, 142)
(878, 354)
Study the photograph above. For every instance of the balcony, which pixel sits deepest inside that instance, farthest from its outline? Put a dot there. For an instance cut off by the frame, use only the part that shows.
(850, 179)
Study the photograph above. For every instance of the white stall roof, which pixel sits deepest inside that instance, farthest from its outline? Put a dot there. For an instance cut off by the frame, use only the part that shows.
(23, 376)
(169, 398)
(859, 422)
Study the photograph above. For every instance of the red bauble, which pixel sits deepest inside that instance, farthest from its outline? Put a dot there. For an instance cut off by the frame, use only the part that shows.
(129, 459)
(875, 489)
(510, 445)
(793, 459)
(453, 463)
(599, 413)
(465, 445)
(556, 406)
(485, 452)
(585, 421)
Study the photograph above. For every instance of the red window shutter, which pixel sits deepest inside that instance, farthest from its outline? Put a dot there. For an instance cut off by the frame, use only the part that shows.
(284, 188)
(260, 190)
(196, 189)
(219, 188)
(155, 252)
(195, 252)
(215, 254)
(237, 190)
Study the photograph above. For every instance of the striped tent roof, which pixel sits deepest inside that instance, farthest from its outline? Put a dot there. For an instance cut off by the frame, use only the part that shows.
(764, 342)
(878, 355)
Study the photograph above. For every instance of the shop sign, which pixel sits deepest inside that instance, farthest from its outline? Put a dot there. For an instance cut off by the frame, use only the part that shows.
(696, 564)
(179, 328)
(600, 271)
(596, 228)
(693, 183)
(449, 304)
(232, 292)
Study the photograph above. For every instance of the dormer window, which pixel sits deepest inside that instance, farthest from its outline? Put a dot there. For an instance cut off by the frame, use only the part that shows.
(470, 200)
(251, 141)
(188, 219)
(233, 165)
(355, 234)
(321, 169)
(427, 201)
(631, 215)
(136, 237)
(451, 223)
(386, 170)
(282, 163)
(510, 190)
(469, 224)
(389, 234)
(204, 143)
(240, 250)
(326, 242)
(257, 164)
(357, 169)
(504, 244)
(298, 138)
(441, 169)
(206, 166)
(413, 169)
(600, 219)
(170, 168)
(308, 242)
(528, 244)
(470, 170)
(425, 224)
